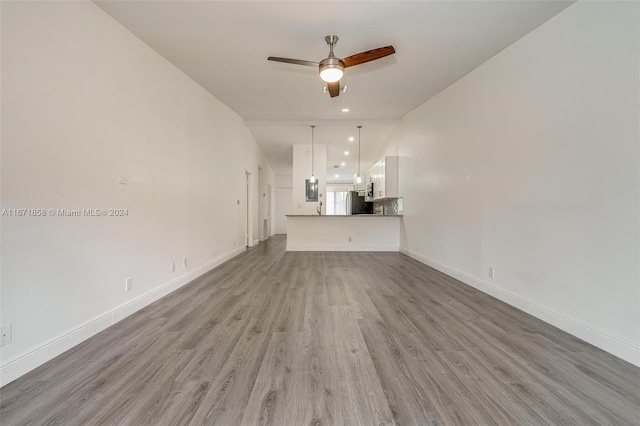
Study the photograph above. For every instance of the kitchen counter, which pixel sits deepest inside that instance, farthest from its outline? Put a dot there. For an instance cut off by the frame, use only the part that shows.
(366, 232)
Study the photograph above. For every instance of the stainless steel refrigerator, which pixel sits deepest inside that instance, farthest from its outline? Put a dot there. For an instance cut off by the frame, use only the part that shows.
(357, 205)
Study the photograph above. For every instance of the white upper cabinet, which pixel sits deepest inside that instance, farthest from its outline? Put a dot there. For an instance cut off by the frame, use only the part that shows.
(384, 176)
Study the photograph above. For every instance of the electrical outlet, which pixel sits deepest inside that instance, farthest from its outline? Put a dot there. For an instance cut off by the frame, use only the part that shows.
(5, 334)
(172, 266)
(491, 272)
(128, 284)
(184, 262)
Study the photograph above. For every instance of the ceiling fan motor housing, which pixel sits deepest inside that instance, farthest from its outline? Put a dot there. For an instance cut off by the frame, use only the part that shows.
(331, 69)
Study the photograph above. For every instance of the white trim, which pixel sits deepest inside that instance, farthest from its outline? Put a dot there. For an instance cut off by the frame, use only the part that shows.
(342, 247)
(39, 354)
(598, 338)
(255, 242)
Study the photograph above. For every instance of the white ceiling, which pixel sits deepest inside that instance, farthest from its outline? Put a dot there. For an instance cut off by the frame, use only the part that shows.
(224, 45)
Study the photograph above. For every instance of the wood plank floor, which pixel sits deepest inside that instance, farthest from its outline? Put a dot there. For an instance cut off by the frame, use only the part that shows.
(280, 338)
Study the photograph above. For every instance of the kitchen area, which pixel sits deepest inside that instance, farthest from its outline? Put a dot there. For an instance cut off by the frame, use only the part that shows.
(362, 216)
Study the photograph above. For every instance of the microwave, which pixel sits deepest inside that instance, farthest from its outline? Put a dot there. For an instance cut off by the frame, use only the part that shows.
(370, 189)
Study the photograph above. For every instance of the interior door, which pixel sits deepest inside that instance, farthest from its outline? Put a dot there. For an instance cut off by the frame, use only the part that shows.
(269, 233)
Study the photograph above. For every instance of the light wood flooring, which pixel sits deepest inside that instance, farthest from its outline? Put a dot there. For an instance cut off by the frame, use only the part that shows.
(327, 339)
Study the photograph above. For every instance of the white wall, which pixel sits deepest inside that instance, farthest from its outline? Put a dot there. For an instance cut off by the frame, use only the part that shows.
(530, 164)
(302, 171)
(83, 103)
(283, 201)
(284, 181)
(285, 207)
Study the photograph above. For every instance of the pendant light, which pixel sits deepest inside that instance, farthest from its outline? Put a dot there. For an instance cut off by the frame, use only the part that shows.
(312, 179)
(358, 178)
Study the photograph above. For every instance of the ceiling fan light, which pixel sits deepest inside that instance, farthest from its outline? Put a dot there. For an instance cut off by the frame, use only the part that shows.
(331, 70)
(331, 75)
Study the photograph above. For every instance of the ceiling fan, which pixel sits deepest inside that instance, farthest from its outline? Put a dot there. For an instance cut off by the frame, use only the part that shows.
(331, 68)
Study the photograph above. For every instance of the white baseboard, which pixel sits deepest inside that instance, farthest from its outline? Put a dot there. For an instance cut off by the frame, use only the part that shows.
(255, 242)
(598, 338)
(38, 355)
(341, 247)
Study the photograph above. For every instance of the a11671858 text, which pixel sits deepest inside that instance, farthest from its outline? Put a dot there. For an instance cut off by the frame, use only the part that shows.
(64, 212)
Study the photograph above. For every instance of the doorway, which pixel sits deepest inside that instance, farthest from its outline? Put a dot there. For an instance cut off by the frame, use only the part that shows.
(269, 197)
(248, 234)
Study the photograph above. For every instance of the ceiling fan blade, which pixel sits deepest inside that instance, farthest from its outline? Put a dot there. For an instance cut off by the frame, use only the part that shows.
(369, 55)
(293, 61)
(334, 88)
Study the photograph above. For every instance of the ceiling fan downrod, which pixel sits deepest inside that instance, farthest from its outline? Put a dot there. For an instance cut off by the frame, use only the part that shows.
(331, 69)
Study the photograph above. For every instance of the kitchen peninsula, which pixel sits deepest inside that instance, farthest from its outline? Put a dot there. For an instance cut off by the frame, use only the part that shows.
(377, 194)
(368, 232)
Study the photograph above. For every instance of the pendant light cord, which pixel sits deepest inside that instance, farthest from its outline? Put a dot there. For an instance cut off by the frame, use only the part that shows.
(312, 145)
(359, 127)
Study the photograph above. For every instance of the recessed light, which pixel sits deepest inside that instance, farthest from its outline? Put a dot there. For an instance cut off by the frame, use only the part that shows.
(343, 164)
(351, 138)
(346, 153)
(345, 109)
(336, 176)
